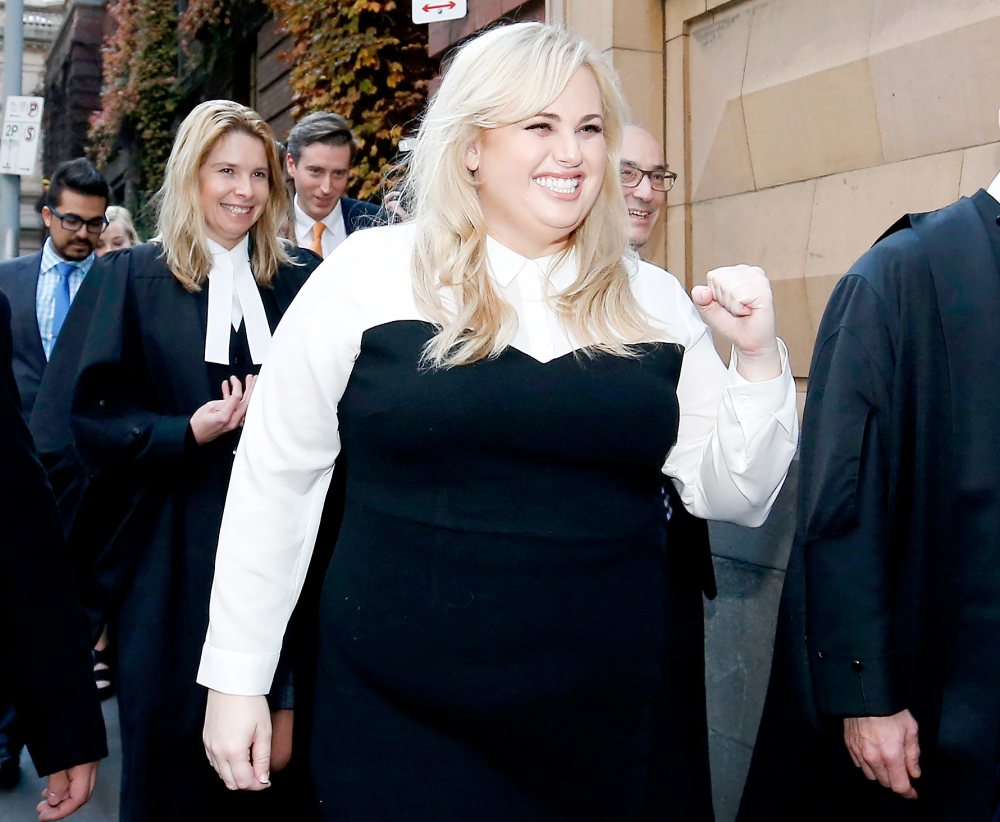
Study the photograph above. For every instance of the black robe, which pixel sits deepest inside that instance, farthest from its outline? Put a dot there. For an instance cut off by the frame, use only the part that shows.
(895, 572)
(42, 636)
(144, 503)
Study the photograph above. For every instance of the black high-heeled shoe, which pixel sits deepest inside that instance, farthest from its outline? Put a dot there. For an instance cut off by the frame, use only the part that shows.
(104, 674)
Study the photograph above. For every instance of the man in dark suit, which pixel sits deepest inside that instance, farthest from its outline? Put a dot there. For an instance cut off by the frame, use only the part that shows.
(884, 701)
(42, 627)
(318, 160)
(40, 288)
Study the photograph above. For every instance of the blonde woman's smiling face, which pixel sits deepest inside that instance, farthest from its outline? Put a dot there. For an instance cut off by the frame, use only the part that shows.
(114, 237)
(233, 182)
(538, 179)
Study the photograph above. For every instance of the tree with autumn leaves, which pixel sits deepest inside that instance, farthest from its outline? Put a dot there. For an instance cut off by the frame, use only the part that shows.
(364, 59)
(138, 95)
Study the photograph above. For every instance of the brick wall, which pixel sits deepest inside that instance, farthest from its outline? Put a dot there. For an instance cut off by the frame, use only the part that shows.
(72, 83)
(273, 93)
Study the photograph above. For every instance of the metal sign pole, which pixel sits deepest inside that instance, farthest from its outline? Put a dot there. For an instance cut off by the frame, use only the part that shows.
(10, 184)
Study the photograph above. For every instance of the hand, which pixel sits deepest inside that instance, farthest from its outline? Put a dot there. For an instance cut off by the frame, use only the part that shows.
(393, 203)
(886, 749)
(237, 740)
(67, 791)
(281, 738)
(217, 417)
(737, 304)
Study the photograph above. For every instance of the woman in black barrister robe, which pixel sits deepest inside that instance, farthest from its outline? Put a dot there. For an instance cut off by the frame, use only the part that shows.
(165, 366)
(502, 634)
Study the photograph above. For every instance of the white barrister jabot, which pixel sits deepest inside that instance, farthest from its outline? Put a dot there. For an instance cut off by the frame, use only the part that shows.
(232, 298)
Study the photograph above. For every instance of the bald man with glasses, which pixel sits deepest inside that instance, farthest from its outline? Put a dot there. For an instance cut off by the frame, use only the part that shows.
(645, 182)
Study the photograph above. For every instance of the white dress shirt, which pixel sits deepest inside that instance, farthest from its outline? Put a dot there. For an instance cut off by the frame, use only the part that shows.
(735, 438)
(335, 232)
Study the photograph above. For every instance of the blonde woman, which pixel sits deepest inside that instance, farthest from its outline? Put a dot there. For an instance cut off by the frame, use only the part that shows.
(167, 363)
(120, 232)
(502, 634)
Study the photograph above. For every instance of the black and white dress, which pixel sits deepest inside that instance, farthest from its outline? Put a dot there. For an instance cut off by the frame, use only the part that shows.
(501, 636)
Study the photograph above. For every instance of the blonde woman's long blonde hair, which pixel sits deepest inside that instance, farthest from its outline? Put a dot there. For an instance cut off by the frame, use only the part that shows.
(181, 219)
(120, 214)
(504, 76)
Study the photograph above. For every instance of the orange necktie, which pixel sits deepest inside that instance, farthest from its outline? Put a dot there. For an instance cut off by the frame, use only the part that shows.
(317, 242)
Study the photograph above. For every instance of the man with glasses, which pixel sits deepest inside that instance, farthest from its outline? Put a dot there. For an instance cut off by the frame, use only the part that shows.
(40, 288)
(645, 182)
(320, 150)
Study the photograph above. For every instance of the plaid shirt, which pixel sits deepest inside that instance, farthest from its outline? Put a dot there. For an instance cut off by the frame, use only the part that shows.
(45, 293)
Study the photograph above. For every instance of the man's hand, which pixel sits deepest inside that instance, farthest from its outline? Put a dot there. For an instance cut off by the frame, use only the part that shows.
(218, 417)
(67, 791)
(737, 303)
(886, 749)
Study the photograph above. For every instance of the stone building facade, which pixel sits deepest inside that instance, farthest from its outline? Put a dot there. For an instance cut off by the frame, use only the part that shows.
(801, 130)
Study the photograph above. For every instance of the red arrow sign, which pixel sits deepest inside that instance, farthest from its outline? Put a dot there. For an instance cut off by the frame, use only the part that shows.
(434, 11)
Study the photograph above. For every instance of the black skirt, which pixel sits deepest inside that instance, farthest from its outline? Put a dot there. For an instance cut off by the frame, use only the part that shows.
(502, 634)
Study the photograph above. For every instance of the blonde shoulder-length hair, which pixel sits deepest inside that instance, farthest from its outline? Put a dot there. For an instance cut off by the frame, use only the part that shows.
(181, 220)
(120, 214)
(504, 76)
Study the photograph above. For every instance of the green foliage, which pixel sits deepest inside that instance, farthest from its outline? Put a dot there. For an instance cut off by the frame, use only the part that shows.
(364, 59)
(139, 94)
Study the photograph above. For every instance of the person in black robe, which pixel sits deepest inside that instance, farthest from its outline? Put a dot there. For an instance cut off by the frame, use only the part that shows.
(884, 700)
(42, 628)
(161, 361)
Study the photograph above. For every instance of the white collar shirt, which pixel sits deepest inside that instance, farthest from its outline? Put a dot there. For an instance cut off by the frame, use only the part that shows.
(233, 297)
(335, 234)
(529, 286)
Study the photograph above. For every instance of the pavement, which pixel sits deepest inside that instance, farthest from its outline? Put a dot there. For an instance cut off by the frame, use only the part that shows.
(18, 804)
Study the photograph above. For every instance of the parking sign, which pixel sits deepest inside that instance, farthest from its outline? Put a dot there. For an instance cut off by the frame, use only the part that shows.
(22, 129)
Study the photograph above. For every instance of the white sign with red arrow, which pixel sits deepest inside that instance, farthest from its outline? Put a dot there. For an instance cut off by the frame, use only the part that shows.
(434, 11)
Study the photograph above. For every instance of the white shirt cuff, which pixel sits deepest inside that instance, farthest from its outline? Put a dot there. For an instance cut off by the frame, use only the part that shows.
(232, 672)
(754, 404)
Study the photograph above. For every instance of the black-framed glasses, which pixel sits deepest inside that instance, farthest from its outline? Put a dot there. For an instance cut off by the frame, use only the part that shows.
(658, 180)
(74, 222)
